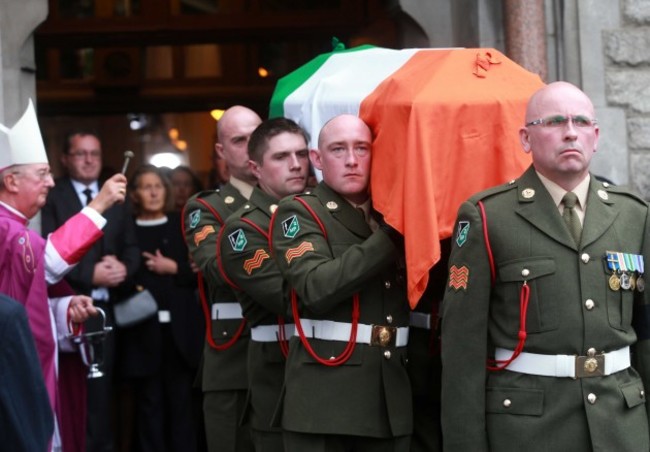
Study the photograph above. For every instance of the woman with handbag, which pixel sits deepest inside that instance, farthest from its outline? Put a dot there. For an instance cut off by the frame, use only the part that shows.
(160, 355)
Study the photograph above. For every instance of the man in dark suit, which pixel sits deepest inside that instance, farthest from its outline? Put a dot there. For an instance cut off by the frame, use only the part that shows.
(103, 271)
(223, 376)
(545, 325)
(346, 382)
(25, 413)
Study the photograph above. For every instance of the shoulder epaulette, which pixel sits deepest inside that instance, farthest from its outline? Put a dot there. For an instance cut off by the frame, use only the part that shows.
(624, 191)
(204, 194)
(493, 191)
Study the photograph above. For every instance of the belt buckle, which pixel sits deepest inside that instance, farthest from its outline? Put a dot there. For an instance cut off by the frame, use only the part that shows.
(590, 366)
(383, 336)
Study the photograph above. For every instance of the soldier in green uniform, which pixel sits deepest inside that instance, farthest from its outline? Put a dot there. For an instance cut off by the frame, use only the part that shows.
(346, 383)
(546, 316)
(224, 377)
(280, 160)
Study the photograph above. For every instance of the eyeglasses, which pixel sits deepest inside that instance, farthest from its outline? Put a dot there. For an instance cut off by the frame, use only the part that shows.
(80, 155)
(562, 121)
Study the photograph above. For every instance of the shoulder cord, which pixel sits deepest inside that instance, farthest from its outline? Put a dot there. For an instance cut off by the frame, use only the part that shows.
(204, 302)
(524, 297)
(349, 348)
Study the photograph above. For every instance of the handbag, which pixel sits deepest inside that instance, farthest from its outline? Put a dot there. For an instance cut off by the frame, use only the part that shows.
(135, 309)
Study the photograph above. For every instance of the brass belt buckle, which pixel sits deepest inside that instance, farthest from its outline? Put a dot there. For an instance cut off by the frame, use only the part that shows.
(383, 336)
(590, 366)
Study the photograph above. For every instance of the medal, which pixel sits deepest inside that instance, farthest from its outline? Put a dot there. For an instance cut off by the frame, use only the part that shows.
(614, 282)
(632, 281)
(625, 281)
(640, 283)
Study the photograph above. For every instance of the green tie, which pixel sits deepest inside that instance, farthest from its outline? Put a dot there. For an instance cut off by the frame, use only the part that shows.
(571, 217)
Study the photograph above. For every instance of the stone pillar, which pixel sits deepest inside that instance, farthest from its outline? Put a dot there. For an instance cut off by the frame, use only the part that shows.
(526, 34)
(18, 19)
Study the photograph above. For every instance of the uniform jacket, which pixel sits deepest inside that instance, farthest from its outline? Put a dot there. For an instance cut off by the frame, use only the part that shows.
(25, 413)
(370, 394)
(571, 309)
(119, 237)
(263, 297)
(225, 369)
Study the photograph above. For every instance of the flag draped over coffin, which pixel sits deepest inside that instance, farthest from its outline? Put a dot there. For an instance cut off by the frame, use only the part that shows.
(445, 125)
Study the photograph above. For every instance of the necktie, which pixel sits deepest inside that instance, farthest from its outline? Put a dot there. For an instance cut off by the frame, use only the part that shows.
(89, 195)
(571, 217)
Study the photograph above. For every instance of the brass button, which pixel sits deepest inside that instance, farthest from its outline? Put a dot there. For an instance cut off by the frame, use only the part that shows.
(591, 352)
(387, 354)
(585, 258)
(642, 393)
(387, 284)
(591, 398)
(389, 319)
(224, 333)
(525, 273)
(589, 304)
(507, 403)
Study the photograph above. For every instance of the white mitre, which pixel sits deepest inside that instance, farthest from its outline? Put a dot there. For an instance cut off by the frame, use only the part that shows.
(23, 143)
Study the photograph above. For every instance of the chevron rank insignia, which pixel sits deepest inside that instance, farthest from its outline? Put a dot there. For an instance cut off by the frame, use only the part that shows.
(256, 261)
(203, 233)
(298, 251)
(238, 240)
(463, 231)
(195, 217)
(290, 227)
(458, 277)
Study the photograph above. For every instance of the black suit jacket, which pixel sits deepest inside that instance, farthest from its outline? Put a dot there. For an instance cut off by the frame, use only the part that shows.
(119, 237)
(25, 412)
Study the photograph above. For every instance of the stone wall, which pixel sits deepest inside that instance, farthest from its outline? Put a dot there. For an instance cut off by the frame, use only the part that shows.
(627, 79)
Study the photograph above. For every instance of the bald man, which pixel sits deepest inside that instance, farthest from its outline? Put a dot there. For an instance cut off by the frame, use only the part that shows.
(224, 376)
(546, 318)
(346, 384)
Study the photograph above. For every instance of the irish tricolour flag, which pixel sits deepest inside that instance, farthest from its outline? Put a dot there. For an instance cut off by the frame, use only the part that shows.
(445, 125)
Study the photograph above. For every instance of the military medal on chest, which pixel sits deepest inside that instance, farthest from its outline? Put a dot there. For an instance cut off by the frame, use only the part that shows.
(626, 271)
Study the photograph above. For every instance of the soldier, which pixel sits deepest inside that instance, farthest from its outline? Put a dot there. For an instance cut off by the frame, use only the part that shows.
(280, 160)
(224, 377)
(346, 384)
(546, 299)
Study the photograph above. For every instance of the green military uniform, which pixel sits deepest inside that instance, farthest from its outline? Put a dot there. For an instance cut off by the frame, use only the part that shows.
(571, 309)
(224, 376)
(246, 260)
(370, 394)
(424, 364)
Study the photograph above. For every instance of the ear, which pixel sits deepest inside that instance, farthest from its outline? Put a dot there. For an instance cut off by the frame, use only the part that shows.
(524, 137)
(255, 168)
(218, 148)
(11, 182)
(315, 157)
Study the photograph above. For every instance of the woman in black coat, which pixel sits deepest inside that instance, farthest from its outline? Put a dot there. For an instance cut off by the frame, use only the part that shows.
(159, 356)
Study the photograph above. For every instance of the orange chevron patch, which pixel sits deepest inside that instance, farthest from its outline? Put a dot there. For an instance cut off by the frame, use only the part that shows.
(458, 277)
(298, 251)
(255, 262)
(203, 233)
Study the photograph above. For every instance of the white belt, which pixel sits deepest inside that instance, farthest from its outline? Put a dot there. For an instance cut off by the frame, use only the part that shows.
(164, 317)
(420, 320)
(338, 331)
(221, 311)
(270, 333)
(571, 366)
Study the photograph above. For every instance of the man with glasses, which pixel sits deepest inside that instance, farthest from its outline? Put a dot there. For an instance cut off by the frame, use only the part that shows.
(546, 317)
(104, 271)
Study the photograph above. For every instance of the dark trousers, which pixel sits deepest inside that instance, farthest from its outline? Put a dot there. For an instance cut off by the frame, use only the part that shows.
(268, 441)
(222, 412)
(312, 442)
(99, 431)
